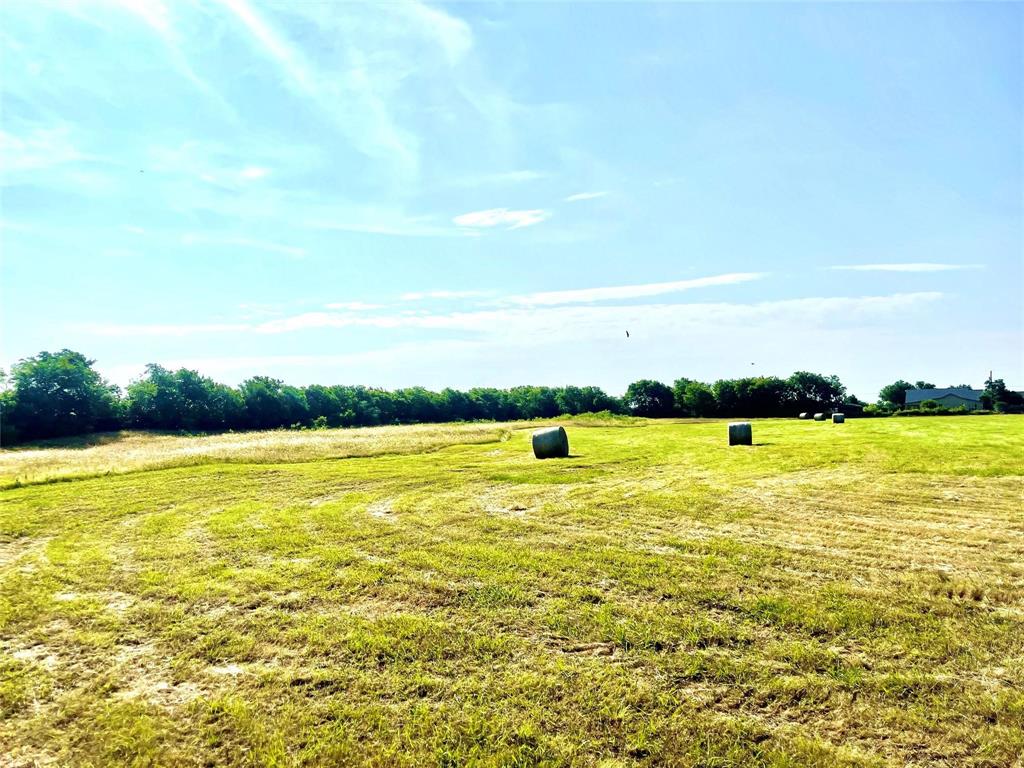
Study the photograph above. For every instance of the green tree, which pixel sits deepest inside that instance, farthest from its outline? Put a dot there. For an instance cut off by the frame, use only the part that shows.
(534, 402)
(696, 399)
(296, 408)
(895, 393)
(490, 403)
(573, 400)
(265, 405)
(8, 434)
(679, 395)
(181, 400)
(58, 394)
(727, 398)
(998, 397)
(649, 398)
(454, 405)
(812, 391)
(763, 396)
(323, 404)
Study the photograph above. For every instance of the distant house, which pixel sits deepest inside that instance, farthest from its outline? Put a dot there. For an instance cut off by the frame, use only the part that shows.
(949, 397)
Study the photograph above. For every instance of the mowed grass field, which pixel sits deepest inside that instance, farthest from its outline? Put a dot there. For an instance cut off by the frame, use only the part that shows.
(835, 595)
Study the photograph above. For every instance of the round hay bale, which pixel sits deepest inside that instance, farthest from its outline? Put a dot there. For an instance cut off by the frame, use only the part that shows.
(804, 415)
(740, 433)
(550, 443)
(819, 417)
(838, 418)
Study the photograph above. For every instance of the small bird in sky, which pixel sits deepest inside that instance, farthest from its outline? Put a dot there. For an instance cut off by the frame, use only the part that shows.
(627, 334)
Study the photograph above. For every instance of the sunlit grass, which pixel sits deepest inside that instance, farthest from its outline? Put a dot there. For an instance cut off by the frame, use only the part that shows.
(119, 452)
(833, 595)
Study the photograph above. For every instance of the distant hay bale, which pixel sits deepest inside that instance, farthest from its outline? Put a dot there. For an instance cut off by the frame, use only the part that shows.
(819, 417)
(838, 418)
(740, 433)
(804, 415)
(550, 443)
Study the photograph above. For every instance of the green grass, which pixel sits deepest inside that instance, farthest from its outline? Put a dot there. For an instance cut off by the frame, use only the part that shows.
(836, 595)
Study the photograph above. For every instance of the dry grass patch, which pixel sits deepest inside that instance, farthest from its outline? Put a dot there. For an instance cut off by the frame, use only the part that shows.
(116, 453)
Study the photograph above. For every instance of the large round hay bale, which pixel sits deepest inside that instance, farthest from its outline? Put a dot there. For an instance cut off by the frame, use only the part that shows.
(550, 443)
(819, 417)
(838, 418)
(740, 433)
(804, 415)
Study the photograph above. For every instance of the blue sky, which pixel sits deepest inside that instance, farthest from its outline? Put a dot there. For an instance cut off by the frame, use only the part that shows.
(493, 194)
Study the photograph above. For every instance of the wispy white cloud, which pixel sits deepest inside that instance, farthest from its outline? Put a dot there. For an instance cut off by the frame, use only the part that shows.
(37, 149)
(586, 295)
(374, 220)
(153, 12)
(292, 63)
(527, 326)
(227, 241)
(254, 172)
(442, 294)
(157, 16)
(231, 166)
(353, 306)
(370, 86)
(359, 95)
(452, 34)
(918, 266)
(585, 196)
(163, 329)
(259, 311)
(720, 340)
(496, 217)
(499, 177)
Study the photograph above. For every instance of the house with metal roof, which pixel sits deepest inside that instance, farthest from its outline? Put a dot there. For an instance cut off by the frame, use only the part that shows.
(947, 397)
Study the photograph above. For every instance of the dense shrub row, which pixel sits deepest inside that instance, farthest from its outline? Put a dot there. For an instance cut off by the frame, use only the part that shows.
(60, 394)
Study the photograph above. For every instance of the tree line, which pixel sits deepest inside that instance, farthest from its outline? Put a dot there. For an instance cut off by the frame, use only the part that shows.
(58, 394)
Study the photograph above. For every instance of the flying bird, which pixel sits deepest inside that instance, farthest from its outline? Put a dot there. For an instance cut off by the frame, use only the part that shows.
(627, 334)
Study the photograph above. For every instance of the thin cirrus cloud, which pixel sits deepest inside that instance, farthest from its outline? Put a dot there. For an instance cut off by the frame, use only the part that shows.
(254, 172)
(526, 326)
(353, 306)
(38, 149)
(585, 196)
(193, 239)
(442, 294)
(498, 178)
(507, 309)
(497, 217)
(165, 329)
(358, 98)
(587, 295)
(916, 266)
